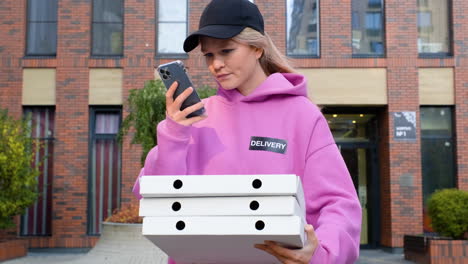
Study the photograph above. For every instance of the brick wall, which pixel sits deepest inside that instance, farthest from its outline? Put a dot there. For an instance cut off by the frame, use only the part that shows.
(139, 46)
(424, 250)
(400, 172)
(460, 22)
(11, 49)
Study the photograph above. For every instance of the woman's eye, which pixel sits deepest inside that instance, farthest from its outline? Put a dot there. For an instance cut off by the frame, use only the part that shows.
(208, 55)
(226, 51)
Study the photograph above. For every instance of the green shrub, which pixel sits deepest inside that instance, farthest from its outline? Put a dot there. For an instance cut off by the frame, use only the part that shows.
(448, 210)
(17, 175)
(147, 107)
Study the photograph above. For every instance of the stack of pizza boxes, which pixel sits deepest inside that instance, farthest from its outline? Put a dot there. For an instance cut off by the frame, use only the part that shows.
(219, 218)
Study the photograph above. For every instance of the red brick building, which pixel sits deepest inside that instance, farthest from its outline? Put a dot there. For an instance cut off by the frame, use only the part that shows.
(392, 77)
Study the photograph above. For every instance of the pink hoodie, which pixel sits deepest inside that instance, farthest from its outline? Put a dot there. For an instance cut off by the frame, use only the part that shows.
(274, 130)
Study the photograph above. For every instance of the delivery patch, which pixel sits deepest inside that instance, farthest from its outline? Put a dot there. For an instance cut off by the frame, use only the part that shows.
(268, 144)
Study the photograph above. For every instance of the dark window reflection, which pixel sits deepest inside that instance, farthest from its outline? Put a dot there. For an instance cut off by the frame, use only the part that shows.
(367, 26)
(302, 27)
(437, 149)
(107, 27)
(42, 28)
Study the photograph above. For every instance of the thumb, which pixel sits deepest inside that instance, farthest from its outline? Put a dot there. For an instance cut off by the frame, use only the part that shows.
(310, 234)
(309, 229)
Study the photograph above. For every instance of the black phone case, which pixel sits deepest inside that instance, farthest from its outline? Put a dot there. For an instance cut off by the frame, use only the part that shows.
(175, 71)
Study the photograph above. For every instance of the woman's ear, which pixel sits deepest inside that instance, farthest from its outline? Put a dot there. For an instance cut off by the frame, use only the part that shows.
(258, 52)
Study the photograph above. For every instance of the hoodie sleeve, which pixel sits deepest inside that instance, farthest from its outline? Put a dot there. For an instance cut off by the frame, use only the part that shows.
(170, 156)
(332, 205)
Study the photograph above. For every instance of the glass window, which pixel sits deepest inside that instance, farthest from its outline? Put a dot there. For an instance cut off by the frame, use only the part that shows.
(105, 167)
(437, 149)
(107, 28)
(37, 219)
(434, 27)
(302, 27)
(42, 28)
(367, 27)
(350, 127)
(172, 26)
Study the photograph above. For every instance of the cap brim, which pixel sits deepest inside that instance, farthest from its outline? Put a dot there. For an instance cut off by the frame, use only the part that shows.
(214, 31)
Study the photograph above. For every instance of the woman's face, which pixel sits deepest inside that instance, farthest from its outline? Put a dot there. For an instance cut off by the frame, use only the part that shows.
(233, 64)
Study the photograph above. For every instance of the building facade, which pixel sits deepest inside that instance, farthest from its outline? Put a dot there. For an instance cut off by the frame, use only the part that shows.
(391, 77)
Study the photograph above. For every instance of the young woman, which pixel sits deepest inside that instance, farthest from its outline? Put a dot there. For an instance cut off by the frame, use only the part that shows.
(260, 98)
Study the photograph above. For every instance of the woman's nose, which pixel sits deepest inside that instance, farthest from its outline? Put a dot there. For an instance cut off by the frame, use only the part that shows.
(218, 63)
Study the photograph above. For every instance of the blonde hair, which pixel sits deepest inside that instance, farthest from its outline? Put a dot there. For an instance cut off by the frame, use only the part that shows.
(272, 60)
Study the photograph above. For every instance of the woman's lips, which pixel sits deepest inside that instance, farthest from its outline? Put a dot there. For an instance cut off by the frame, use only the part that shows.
(222, 77)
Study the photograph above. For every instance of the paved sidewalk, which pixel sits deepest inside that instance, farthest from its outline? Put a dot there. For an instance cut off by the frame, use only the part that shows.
(124, 244)
(378, 256)
(368, 256)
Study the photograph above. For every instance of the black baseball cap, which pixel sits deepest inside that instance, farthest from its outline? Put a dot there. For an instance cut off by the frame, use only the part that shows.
(225, 19)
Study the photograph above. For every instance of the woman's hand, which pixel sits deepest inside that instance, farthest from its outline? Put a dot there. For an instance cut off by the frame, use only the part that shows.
(173, 106)
(287, 256)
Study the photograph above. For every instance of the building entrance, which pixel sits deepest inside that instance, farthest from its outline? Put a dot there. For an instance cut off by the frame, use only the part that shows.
(356, 137)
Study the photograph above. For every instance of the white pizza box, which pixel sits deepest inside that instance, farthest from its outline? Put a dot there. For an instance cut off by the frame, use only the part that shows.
(221, 206)
(222, 239)
(222, 185)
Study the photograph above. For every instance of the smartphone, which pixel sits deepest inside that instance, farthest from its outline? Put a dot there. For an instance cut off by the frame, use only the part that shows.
(175, 71)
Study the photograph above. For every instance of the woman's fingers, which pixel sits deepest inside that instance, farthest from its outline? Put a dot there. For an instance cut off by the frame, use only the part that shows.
(170, 94)
(181, 98)
(283, 252)
(173, 106)
(187, 111)
(192, 120)
(271, 252)
(286, 255)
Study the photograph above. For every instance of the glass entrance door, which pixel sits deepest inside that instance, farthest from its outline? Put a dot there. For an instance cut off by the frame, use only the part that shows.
(357, 161)
(355, 135)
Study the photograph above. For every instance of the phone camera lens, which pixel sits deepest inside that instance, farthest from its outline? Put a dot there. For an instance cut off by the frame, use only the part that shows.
(165, 77)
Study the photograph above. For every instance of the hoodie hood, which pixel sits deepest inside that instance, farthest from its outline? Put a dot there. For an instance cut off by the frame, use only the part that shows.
(277, 84)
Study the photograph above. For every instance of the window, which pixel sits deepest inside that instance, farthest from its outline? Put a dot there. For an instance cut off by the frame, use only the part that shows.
(302, 27)
(107, 28)
(105, 166)
(42, 28)
(437, 149)
(437, 152)
(434, 27)
(171, 26)
(37, 220)
(375, 3)
(367, 28)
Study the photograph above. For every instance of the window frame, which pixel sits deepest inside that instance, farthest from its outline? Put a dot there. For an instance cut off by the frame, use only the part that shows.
(93, 111)
(158, 55)
(451, 45)
(91, 43)
(384, 36)
(319, 36)
(28, 22)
